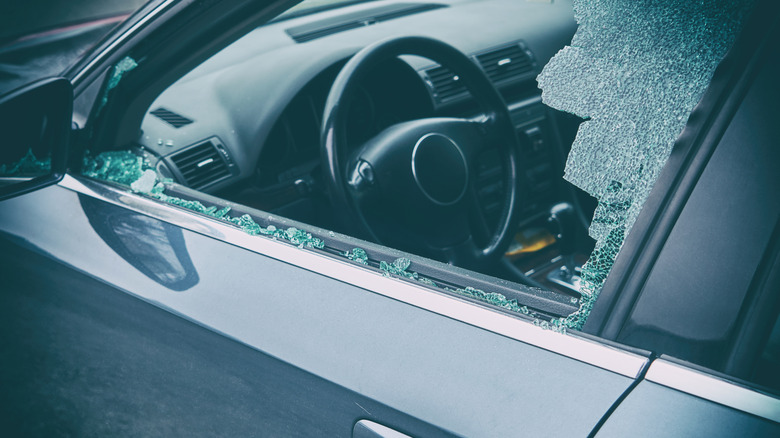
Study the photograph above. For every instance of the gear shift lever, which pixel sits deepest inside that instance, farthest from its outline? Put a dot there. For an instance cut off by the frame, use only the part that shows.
(561, 224)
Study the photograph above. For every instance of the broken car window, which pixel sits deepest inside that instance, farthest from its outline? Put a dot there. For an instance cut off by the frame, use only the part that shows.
(246, 125)
(634, 70)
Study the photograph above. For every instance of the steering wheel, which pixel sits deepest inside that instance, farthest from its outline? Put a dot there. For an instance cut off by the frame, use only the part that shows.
(415, 180)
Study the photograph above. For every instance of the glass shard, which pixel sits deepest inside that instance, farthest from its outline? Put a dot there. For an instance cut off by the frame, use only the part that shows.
(146, 183)
(494, 298)
(29, 165)
(120, 69)
(121, 167)
(357, 255)
(398, 267)
(131, 170)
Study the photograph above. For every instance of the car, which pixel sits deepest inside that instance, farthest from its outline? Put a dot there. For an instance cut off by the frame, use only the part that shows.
(347, 218)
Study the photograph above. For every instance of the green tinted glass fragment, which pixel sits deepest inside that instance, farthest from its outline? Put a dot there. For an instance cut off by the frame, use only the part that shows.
(554, 325)
(125, 65)
(221, 213)
(146, 183)
(131, 170)
(248, 225)
(402, 263)
(634, 70)
(494, 298)
(427, 281)
(398, 267)
(29, 165)
(121, 167)
(357, 255)
(299, 237)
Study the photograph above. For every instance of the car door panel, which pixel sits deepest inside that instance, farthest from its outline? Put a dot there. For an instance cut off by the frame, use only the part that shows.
(653, 410)
(454, 375)
(81, 358)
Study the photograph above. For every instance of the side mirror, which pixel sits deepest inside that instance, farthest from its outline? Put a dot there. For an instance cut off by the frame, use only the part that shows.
(35, 125)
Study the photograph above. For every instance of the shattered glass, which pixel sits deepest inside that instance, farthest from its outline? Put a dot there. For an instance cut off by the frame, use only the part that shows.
(493, 298)
(357, 255)
(131, 170)
(121, 167)
(299, 237)
(29, 165)
(635, 69)
(400, 267)
(120, 69)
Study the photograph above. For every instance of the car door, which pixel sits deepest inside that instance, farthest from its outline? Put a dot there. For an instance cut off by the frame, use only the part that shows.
(267, 340)
(126, 315)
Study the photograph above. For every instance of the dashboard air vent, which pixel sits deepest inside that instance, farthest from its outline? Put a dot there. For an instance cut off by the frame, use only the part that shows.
(170, 117)
(201, 165)
(503, 65)
(506, 63)
(329, 26)
(446, 85)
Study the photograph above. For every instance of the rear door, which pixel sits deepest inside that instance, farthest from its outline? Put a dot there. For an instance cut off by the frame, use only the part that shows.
(692, 402)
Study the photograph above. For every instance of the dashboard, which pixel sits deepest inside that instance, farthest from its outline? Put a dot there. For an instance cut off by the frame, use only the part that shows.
(245, 125)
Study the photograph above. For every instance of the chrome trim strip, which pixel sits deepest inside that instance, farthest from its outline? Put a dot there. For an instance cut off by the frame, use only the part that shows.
(524, 103)
(708, 387)
(593, 353)
(119, 40)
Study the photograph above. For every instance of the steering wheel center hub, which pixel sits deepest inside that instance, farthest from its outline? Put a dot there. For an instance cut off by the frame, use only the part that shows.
(440, 169)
